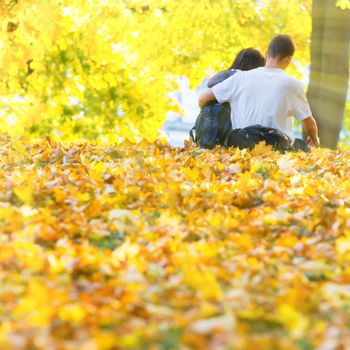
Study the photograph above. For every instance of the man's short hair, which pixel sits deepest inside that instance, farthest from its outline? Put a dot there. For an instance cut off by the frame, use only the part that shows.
(281, 46)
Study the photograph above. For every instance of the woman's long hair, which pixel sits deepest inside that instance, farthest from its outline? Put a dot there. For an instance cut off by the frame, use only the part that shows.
(248, 59)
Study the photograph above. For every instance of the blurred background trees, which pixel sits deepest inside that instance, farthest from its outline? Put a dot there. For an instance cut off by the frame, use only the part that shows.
(329, 76)
(104, 70)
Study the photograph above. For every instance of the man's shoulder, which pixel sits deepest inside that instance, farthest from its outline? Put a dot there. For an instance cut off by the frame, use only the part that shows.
(253, 72)
(248, 75)
(292, 81)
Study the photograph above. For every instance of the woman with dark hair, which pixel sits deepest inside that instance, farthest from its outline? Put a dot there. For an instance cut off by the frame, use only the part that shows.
(246, 59)
(213, 123)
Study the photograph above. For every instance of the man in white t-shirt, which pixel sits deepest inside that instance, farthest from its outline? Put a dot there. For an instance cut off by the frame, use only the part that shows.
(267, 95)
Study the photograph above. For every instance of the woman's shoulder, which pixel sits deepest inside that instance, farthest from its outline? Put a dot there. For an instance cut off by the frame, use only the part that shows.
(220, 77)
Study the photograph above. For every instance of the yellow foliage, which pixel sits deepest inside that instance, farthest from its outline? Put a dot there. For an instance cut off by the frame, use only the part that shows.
(343, 4)
(72, 313)
(103, 70)
(118, 246)
(36, 306)
(293, 319)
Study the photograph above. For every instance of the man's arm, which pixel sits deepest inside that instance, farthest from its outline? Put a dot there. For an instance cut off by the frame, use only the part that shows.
(311, 131)
(220, 77)
(206, 97)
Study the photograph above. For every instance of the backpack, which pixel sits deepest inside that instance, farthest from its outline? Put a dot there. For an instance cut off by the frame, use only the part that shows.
(212, 126)
(250, 136)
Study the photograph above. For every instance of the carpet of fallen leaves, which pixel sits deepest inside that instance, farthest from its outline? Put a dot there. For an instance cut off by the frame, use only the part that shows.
(152, 247)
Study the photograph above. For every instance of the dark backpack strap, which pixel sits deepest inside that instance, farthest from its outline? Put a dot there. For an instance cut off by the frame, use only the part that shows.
(206, 126)
(224, 124)
(250, 136)
(192, 131)
(301, 145)
(241, 138)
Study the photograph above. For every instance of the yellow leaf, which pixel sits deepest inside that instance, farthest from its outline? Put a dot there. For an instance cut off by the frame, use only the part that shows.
(204, 281)
(106, 340)
(343, 245)
(36, 305)
(72, 313)
(18, 146)
(292, 319)
(24, 193)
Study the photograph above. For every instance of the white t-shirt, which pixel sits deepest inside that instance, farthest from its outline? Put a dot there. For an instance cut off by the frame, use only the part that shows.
(266, 96)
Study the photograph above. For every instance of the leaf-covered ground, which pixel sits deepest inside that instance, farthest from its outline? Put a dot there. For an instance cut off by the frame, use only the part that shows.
(149, 247)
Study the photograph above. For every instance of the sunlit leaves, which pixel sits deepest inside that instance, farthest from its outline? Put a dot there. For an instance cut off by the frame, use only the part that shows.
(144, 246)
(343, 4)
(103, 70)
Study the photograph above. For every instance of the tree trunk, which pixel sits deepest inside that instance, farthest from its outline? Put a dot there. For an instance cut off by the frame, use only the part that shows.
(329, 76)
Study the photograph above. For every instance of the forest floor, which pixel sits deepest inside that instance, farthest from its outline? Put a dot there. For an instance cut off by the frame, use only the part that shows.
(152, 247)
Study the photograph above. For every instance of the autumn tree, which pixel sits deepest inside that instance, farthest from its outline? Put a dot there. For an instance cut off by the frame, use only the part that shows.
(329, 76)
(104, 70)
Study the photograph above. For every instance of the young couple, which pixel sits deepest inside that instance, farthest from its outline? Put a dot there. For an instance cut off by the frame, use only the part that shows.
(263, 99)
